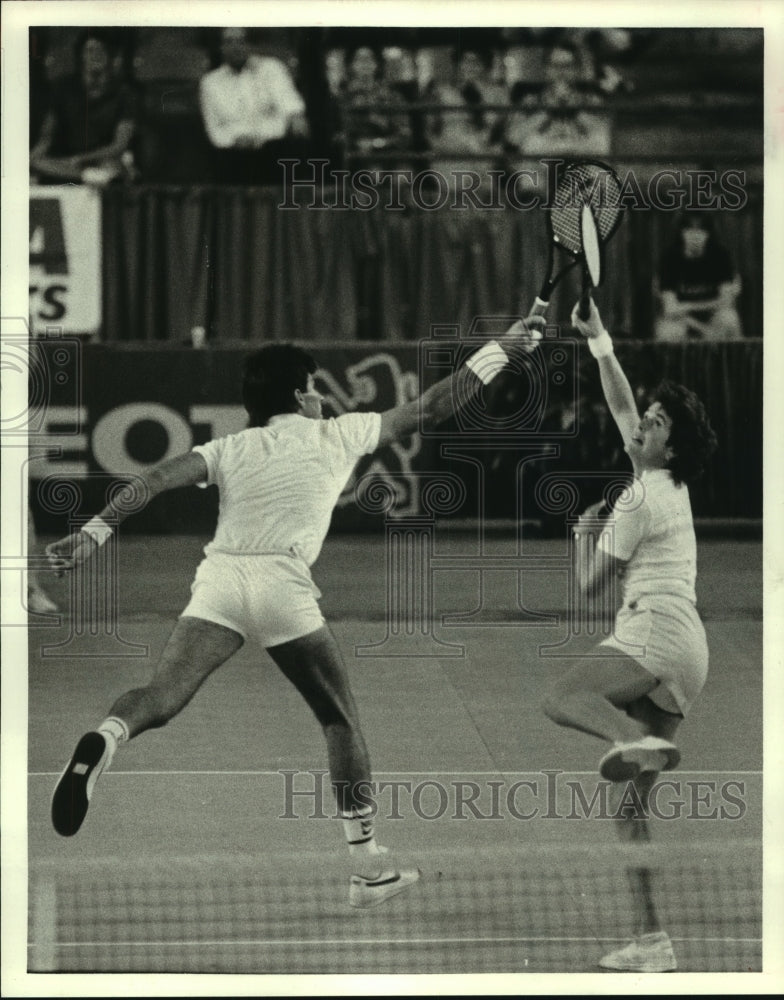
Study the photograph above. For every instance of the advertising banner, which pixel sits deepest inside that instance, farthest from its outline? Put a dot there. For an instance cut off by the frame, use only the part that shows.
(536, 445)
(65, 259)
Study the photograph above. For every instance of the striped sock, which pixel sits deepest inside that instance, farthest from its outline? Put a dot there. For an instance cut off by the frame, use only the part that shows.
(114, 731)
(367, 855)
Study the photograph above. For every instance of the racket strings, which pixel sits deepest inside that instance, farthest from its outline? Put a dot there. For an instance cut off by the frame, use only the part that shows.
(582, 184)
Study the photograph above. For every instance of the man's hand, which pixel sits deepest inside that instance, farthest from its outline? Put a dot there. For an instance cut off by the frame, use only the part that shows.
(523, 335)
(591, 327)
(70, 551)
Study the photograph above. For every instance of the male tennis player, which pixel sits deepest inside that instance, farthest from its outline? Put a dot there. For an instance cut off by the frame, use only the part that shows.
(638, 685)
(279, 481)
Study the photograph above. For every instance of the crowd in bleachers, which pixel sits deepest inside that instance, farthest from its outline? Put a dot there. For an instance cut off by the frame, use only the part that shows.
(195, 105)
(192, 107)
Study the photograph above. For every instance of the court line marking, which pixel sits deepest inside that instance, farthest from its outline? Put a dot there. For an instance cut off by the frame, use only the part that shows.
(403, 774)
(351, 942)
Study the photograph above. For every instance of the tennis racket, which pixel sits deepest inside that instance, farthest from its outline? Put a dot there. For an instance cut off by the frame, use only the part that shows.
(586, 211)
(592, 258)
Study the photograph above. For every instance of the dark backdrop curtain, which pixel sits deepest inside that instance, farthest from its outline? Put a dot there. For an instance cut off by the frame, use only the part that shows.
(234, 262)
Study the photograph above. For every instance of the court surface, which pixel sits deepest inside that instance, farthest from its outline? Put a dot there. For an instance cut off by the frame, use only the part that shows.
(510, 884)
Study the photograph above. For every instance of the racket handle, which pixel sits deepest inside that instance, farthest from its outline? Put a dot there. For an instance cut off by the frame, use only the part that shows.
(584, 310)
(539, 307)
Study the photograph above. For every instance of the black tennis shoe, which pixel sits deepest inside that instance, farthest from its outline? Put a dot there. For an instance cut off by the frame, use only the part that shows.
(72, 794)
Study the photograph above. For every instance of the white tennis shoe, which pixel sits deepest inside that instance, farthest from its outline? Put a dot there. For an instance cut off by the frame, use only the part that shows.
(627, 760)
(647, 953)
(364, 892)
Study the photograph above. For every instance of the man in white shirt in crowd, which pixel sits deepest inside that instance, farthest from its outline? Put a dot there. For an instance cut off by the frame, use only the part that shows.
(253, 113)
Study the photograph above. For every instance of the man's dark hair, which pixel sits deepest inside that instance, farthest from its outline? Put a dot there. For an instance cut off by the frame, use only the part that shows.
(706, 221)
(269, 378)
(691, 438)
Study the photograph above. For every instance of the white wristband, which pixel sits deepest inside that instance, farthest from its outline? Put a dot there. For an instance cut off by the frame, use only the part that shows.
(601, 346)
(97, 529)
(488, 361)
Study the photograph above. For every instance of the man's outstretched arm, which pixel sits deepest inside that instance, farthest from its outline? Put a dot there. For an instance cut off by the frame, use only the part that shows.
(74, 549)
(452, 393)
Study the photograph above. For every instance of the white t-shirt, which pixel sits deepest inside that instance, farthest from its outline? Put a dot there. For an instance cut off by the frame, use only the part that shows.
(653, 529)
(257, 100)
(279, 484)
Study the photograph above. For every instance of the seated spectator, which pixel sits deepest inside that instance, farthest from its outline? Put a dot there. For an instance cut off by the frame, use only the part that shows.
(464, 137)
(553, 120)
(373, 114)
(88, 130)
(331, 139)
(253, 114)
(698, 285)
(414, 80)
(335, 70)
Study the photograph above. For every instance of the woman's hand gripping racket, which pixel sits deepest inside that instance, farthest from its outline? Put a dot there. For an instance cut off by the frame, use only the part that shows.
(584, 215)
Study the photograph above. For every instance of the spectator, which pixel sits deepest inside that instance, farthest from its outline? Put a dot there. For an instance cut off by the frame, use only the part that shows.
(555, 119)
(253, 114)
(373, 113)
(698, 285)
(415, 82)
(475, 128)
(331, 141)
(335, 71)
(89, 127)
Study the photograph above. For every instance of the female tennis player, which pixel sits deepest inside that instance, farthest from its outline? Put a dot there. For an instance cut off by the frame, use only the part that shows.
(637, 686)
(279, 481)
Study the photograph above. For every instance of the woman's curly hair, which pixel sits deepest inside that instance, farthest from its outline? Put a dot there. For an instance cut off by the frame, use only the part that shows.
(691, 438)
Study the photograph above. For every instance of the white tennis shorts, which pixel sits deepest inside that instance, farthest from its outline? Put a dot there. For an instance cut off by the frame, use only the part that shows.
(269, 599)
(670, 643)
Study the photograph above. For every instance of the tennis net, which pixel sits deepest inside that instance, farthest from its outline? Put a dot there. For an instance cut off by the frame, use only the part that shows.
(547, 908)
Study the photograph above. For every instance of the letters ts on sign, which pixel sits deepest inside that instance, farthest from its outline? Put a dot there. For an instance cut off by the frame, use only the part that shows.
(65, 259)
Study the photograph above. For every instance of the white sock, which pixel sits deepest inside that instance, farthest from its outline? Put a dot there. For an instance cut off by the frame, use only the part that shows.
(114, 731)
(366, 853)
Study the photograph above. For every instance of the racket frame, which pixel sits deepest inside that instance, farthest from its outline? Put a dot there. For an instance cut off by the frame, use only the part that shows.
(542, 300)
(590, 280)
